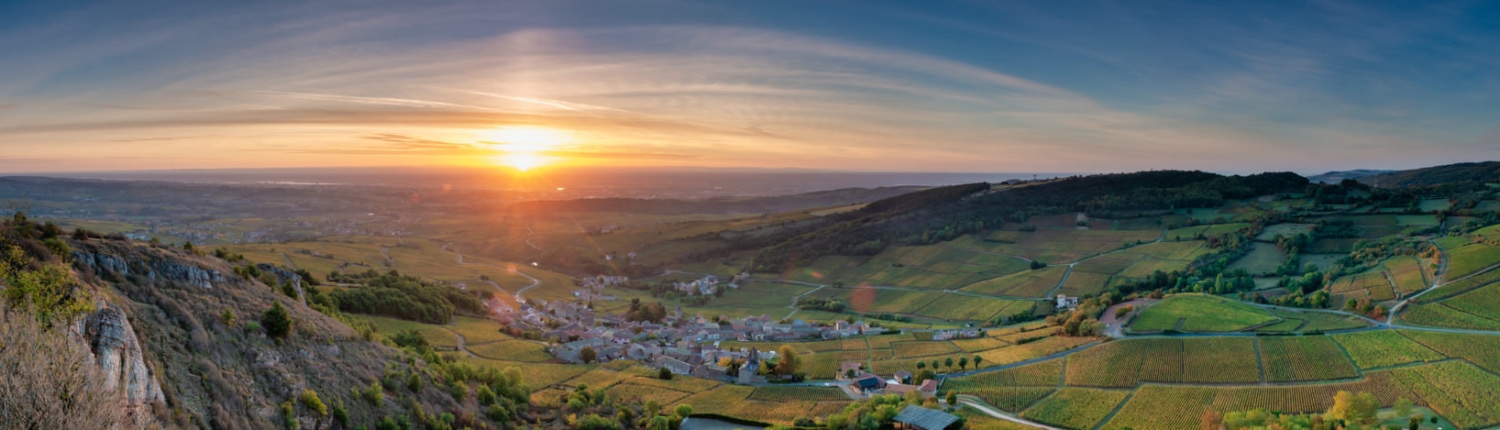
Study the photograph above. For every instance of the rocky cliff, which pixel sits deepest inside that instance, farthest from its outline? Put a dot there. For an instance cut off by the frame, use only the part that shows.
(177, 333)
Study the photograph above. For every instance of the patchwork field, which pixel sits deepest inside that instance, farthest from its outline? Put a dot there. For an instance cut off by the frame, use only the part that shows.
(1371, 285)
(1062, 246)
(1030, 283)
(1270, 233)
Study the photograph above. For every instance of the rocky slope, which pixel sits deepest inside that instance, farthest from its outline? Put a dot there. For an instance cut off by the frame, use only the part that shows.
(170, 328)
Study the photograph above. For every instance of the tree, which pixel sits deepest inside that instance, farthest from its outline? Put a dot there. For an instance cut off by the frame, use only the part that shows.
(921, 365)
(1211, 420)
(963, 362)
(948, 363)
(1354, 408)
(1403, 407)
(952, 399)
(934, 365)
(789, 360)
(276, 321)
(923, 375)
(588, 355)
(977, 361)
(683, 411)
(664, 374)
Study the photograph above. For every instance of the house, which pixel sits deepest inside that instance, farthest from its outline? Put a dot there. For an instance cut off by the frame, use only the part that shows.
(920, 418)
(677, 366)
(868, 384)
(1065, 302)
(928, 388)
(899, 389)
(903, 376)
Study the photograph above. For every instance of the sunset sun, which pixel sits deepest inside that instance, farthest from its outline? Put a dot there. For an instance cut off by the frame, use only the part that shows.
(525, 148)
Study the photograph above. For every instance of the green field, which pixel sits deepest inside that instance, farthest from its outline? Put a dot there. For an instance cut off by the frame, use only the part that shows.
(1263, 259)
(1304, 358)
(1198, 313)
(1470, 259)
(1270, 233)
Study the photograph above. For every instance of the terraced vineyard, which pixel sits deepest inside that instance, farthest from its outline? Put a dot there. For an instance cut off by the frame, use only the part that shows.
(1411, 275)
(1444, 315)
(1470, 259)
(1175, 407)
(1075, 408)
(795, 394)
(1030, 283)
(923, 349)
(1455, 286)
(1384, 348)
(1127, 363)
(1477, 349)
(1372, 285)
(1304, 358)
(1483, 302)
(1466, 395)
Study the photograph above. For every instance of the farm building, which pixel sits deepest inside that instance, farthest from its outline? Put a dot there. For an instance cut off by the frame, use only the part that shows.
(920, 418)
(1065, 302)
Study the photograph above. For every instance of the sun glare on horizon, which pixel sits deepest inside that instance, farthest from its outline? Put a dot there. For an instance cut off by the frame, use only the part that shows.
(525, 147)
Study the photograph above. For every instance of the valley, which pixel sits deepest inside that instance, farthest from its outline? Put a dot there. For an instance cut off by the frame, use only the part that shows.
(1105, 318)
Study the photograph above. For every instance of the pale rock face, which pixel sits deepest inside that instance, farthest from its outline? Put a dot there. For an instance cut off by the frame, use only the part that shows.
(112, 340)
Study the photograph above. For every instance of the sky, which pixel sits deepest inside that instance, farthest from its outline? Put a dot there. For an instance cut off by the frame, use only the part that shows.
(930, 86)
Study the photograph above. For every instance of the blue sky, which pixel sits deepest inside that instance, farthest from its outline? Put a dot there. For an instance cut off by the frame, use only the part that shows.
(896, 86)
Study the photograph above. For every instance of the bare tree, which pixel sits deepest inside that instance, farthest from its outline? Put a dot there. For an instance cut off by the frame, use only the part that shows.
(48, 379)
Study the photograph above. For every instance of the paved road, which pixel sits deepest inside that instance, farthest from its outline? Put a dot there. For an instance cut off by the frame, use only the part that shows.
(1437, 281)
(519, 297)
(461, 342)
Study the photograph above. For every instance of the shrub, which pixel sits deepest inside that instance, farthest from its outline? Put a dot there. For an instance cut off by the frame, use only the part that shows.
(276, 320)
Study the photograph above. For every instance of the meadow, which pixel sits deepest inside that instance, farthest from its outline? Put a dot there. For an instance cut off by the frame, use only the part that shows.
(1198, 313)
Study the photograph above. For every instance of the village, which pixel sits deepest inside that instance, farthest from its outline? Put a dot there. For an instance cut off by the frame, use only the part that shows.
(692, 345)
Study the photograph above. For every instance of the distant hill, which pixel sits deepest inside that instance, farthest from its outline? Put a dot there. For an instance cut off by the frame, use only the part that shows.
(944, 213)
(757, 205)
(1335, 177)
(1461, 174)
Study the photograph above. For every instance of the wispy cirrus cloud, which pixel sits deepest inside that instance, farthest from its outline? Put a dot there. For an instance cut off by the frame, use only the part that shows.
(1194, 86)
